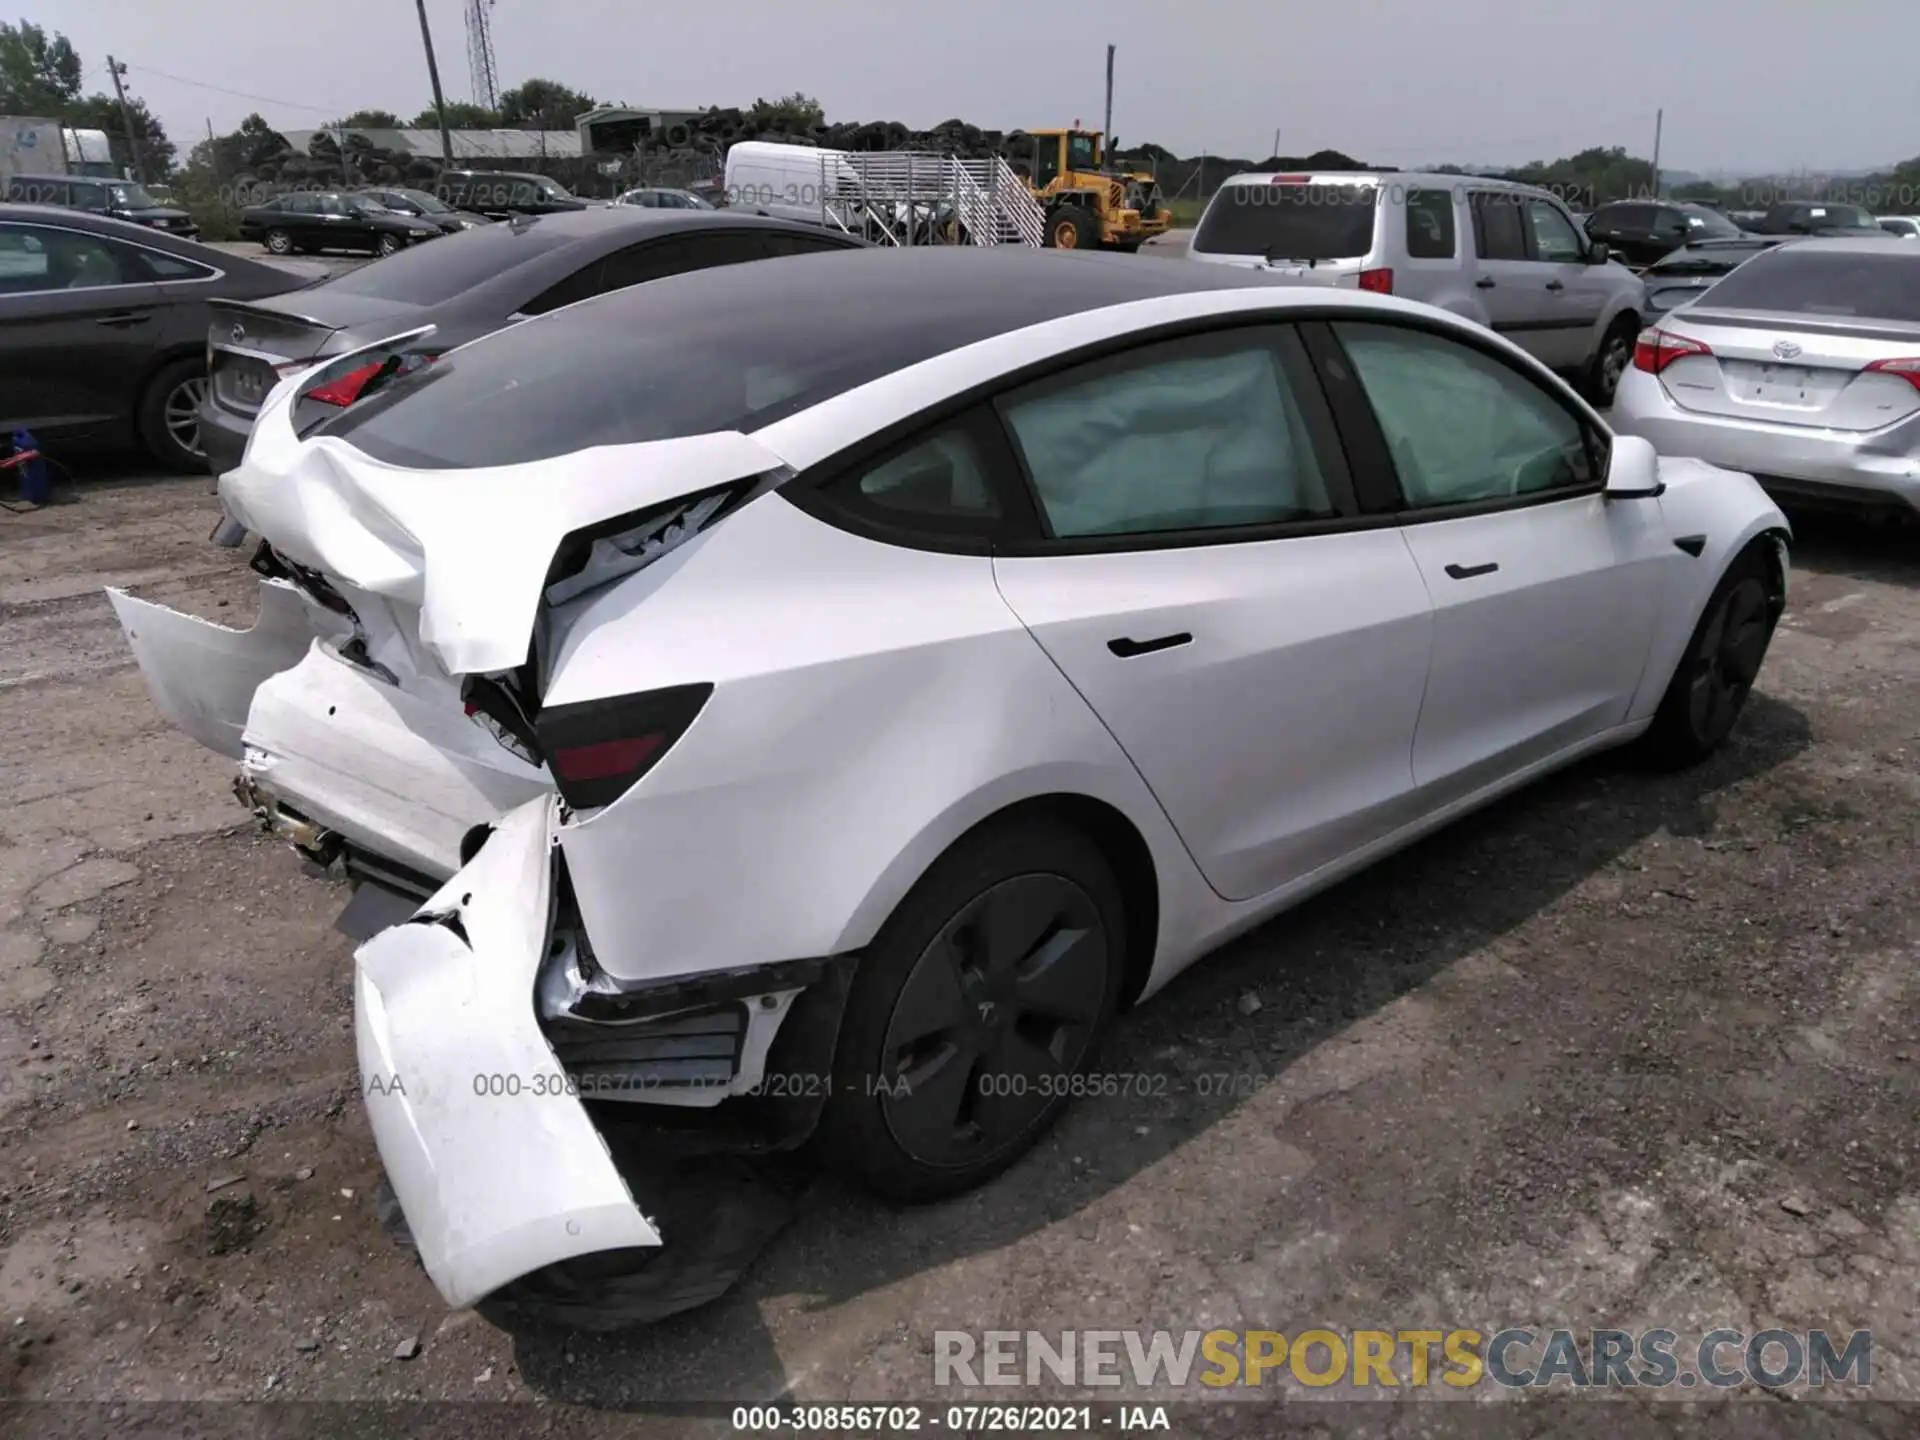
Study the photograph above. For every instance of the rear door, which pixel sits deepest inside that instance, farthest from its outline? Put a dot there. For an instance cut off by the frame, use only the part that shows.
(1515, 296)
(1544, 593)
(78, 325)
(1208, 584)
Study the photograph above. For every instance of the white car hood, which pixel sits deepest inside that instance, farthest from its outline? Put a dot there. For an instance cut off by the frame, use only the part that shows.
(469, 548)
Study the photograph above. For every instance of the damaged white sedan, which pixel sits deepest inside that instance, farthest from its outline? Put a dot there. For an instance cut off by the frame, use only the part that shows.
(803, 702)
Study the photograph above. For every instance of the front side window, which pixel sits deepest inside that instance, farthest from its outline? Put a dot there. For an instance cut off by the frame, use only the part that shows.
(1554, 238)
(1463, 427)
(1191, 434)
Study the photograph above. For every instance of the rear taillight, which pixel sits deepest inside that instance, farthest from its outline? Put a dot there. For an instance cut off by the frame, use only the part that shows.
(598, 749)
(1655, 350)
(346, 389)
(1380, 282)
(1908, 369)
(1289, 180)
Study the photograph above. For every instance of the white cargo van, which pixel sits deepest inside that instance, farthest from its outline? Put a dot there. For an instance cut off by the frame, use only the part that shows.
(791, 182)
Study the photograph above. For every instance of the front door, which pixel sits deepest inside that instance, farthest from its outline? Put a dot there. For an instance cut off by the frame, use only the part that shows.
(1576, 291)
(1544, 592)
(1206, 584)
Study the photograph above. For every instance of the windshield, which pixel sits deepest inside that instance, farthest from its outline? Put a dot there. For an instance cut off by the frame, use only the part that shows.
(1289, 222)
(1704, 224)
(553, 189)
(131, 197)
(1806, 279)
(367, 205)
(1080, 152)
(431, 204)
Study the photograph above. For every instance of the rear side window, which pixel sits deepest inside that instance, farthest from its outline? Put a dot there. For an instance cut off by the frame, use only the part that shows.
(936, 483)
(1430, 225)
(1498, 230)
(1194, 434)
(1289, 222)
(1805, 279)
(434, 273)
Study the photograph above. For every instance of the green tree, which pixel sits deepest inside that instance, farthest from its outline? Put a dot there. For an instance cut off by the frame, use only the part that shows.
(38, 75)
(368, 120)
(461, 115)
(795, 114)
(102, 112)
(543, 105)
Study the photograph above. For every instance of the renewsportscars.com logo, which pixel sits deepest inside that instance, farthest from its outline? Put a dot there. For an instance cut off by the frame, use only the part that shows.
(1459, 1359)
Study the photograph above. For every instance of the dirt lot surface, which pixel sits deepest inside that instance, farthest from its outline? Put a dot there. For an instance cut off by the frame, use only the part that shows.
(1624, 1051)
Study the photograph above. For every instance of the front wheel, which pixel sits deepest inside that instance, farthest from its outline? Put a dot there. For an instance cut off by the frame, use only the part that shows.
(975, 1013)
(1715, 676)
(387, 244)
(279, 242)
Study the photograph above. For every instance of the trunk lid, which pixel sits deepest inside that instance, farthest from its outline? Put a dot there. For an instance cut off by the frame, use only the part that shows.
(1785, 369)
(251, 342)
(461, 556)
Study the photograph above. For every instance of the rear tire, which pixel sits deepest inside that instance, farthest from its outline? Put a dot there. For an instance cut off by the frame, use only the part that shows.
(1611, 360)
(1715, 675)
(986, 992)
(169, 416)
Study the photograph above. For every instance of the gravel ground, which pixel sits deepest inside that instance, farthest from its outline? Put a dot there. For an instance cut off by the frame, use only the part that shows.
(1623, 1051)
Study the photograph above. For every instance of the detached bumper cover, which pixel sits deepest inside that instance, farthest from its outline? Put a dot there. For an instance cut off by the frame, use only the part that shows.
(496, 1167)
(202, 676)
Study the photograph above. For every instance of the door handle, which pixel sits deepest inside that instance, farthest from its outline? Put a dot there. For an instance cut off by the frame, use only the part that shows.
(1126, 648)
(1467, 572)
(1485, 282)
(1555, 285)
(122, 319)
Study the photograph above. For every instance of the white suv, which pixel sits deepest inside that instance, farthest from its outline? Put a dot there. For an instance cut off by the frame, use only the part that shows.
(1508, 256)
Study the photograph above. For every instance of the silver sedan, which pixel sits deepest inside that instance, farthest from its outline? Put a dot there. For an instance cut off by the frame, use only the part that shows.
(1802, 367)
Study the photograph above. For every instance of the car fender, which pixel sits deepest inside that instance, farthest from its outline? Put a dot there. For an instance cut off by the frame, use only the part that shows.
(843, 748)
(1724, 511)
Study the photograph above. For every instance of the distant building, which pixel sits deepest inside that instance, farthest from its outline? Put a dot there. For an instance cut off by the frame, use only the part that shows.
(619, 130)
(467, 145)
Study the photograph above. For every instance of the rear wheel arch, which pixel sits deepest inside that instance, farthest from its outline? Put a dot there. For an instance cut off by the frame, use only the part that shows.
(1121, 845)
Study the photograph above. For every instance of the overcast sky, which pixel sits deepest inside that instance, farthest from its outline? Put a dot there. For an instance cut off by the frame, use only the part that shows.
(1746, 84)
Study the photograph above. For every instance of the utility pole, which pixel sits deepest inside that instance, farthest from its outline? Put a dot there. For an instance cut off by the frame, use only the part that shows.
(433, 74)
(116, 69)
(1658, 117)
(1275, 152)
(1106, 135)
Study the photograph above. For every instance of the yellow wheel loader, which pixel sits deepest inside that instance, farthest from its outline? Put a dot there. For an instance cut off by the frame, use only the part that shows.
(1087, 205)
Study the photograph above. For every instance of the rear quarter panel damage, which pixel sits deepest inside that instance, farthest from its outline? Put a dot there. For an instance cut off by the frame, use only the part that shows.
(871, 705)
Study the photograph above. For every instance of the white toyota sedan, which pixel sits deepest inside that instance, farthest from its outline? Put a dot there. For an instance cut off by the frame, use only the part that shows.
(812, 697)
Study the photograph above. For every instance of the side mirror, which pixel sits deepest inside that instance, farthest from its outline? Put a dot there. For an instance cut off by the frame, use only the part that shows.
(1598, 253)
(1633, 470)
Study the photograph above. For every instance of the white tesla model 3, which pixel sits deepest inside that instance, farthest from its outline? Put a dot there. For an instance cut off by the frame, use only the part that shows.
(813, 696)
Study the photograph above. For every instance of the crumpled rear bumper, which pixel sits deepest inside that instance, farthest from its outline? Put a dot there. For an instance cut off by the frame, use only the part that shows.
(497, 1168)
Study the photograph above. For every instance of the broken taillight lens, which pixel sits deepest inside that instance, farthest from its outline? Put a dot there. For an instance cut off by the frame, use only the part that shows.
(599, 749)
(346, 389)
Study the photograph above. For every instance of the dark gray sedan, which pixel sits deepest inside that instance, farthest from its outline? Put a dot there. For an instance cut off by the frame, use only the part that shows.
(103, 328)
(465, 286)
